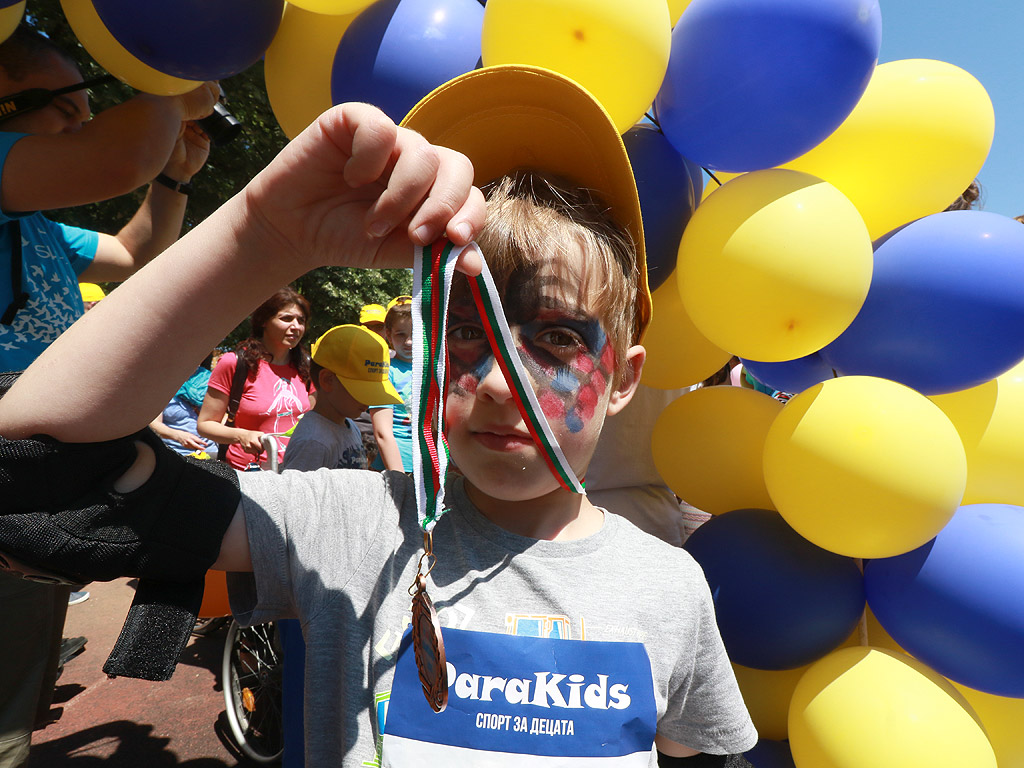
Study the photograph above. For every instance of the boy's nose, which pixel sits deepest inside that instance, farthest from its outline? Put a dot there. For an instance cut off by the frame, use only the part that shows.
(493, 385)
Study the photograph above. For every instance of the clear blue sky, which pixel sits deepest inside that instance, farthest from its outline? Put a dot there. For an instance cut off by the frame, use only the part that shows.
(985, 37)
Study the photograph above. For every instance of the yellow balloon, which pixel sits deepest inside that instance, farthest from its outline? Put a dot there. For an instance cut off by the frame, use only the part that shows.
(298, 66)
(1002, 718)
(94, 36)
(10, 18)
(707, 447)
(330, 7)
(990, 420)
(864, 467)
(789, 250)
(675, 9)
(711, 186)
(678, 355)
(914, 142)
(767, 694)
(861, 707)
(618, 51)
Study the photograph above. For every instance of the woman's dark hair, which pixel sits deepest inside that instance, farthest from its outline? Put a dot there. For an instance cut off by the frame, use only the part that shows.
(252, 350)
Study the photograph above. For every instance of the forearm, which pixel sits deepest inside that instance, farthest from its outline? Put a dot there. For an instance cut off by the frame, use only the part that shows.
(390, 455)
(353, 189)
(162, 430)
(219, 433)
(115, 153)
(155, 226)
(75, 390)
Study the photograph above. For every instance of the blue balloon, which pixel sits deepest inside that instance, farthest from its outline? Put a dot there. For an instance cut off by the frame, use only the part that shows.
(957, 602)
(945, 310)
(792, 376)
(781, 601)
(193, 39)
(770, 754)
(753, 84)
(398, 51)
(670, 187)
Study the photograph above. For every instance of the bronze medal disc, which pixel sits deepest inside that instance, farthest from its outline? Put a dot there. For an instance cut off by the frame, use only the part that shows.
(428, 647)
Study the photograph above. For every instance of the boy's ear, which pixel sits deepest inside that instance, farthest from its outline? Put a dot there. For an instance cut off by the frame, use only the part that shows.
(326, 380)
(625, 385)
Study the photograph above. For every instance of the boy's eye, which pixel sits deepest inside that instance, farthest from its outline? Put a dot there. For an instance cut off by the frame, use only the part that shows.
(560, 338)
(466, 332)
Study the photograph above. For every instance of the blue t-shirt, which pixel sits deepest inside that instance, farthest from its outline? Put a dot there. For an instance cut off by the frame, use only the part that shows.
(400, 373)
(53, 256)
(179, 414)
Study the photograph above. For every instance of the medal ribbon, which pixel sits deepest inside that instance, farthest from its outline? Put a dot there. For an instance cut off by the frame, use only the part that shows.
(433, 271)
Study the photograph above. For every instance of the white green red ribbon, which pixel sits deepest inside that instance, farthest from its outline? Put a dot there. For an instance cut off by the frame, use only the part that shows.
(433, 270)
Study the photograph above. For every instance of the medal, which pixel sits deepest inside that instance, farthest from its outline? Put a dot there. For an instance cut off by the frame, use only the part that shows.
(427, 643)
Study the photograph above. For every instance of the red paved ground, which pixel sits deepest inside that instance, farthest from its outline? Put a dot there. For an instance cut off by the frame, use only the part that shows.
(121, 722)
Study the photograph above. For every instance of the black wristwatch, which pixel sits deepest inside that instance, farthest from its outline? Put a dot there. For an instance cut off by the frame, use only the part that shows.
(182, 187)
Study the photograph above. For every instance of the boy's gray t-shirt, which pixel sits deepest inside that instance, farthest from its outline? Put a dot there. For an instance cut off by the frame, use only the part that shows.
(339, 549)
(319, 442)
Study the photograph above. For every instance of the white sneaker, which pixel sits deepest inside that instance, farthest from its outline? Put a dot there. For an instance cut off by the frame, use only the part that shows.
(78, 597)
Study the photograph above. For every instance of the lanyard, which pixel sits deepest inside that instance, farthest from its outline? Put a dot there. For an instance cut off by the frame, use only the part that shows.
(433, 271)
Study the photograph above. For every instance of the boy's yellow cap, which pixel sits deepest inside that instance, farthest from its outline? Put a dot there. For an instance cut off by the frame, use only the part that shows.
(91, 292)
(360, 359)
(511, 117)
(371, 313)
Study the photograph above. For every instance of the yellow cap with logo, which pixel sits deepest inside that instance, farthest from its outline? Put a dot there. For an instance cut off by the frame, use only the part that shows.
(360, 359)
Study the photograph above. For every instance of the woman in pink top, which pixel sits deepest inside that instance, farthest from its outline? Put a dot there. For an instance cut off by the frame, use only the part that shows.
(277, 385)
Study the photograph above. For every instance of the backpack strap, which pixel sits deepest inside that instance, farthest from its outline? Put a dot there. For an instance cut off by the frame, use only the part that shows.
(20, 296)
(237, 385)
(234, 399)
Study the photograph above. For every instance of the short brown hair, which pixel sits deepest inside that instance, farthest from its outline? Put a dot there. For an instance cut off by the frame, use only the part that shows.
(531, 217)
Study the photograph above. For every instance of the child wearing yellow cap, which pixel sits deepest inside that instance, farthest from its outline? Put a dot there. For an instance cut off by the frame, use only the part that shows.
(350, 368)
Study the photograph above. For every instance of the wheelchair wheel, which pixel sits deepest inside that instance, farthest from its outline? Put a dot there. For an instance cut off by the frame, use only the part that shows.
(251, 679)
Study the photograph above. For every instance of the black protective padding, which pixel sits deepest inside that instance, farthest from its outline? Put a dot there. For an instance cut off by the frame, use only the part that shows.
(156, 630)
(59, 513)
(62, 515)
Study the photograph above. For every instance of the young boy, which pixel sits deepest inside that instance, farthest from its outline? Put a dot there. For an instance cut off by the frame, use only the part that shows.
(524, 570)
(350, 368)
(392, 425)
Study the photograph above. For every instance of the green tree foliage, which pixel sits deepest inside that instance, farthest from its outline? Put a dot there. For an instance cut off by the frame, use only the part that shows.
(335, 293)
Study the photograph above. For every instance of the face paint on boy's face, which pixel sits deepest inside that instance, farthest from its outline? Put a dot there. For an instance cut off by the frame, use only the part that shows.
(565, 351)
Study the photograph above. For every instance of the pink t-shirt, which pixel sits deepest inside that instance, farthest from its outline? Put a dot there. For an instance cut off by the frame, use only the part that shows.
(271, 403)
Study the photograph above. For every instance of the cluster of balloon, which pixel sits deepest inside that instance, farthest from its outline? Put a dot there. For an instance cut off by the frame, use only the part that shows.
(824, 261)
